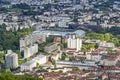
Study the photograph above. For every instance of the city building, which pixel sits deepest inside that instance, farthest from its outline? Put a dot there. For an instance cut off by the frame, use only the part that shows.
(74, 43)
(29, 65)
(31, 39)
(50, 48)
(29, 51)
(11, 59)
(58, 39)
(28, 46)
(106, 45)
(63, 33)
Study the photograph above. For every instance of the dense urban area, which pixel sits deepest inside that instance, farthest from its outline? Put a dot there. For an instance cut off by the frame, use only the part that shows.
(59, 39)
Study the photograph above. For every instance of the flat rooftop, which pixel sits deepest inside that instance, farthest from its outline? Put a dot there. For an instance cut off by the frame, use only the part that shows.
(60, 33)
(31, 62)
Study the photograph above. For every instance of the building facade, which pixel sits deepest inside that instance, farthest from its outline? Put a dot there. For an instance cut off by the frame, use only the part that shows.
(50, 48)
(74, 43)
(29, 65)
(11, 60)
(29, 51)
(31, 39)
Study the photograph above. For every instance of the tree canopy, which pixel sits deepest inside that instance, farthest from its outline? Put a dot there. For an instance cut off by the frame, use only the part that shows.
(10, 76)
(10, 40)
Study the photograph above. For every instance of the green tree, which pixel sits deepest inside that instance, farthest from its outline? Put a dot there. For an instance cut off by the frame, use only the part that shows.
(63, 56)
(107, 37)
(109, 50)
(40, 67)
(1, 48)
(72, 58)
(53, 62)
(10, 40)
(60, 71)
(37, 64)
(10, 76)
(2, 55)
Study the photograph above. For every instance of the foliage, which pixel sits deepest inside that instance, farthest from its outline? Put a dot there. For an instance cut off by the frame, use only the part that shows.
(10, 76)
(14, 10)
(19, 54)
(1, 48)
(109, 50)
(62, 45)
(72, 58)
(75, 69)
(65, 45)
(94, 35)
(112, 36)
(82, 59)
(53, 62)
(60, 71)
(41, 47)
(114, 33)
(49, 40)
(3, 10)
(39, 66)
(63, 56)
(30, 12)
(41, 78)
(47, 7)
(21, 6)
(107, 36)
(113, 30)
(2, 55)
(10, 40)
(88, 46)
(75, 19)
(22, 61)
(4, 2)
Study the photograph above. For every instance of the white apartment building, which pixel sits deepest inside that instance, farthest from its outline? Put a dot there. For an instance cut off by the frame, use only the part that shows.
(74, 43)
(28, 46)
(29, 65)
(31, 39)
(11, 60)
(31, 50)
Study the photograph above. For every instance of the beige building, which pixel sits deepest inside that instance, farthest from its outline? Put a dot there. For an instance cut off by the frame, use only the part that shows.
(74, 43)
(58, 39)
(50, 48)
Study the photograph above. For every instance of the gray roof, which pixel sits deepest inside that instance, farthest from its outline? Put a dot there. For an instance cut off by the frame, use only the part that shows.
(31, 62)
(60, 33)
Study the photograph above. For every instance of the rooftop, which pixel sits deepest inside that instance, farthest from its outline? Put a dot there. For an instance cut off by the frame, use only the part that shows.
(60, 33)
(31, 62)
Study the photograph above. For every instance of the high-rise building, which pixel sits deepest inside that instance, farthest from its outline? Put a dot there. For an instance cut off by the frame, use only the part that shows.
(29, 51)
(28, 46)
(11, 60)
(31, 39)
(74, 43)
